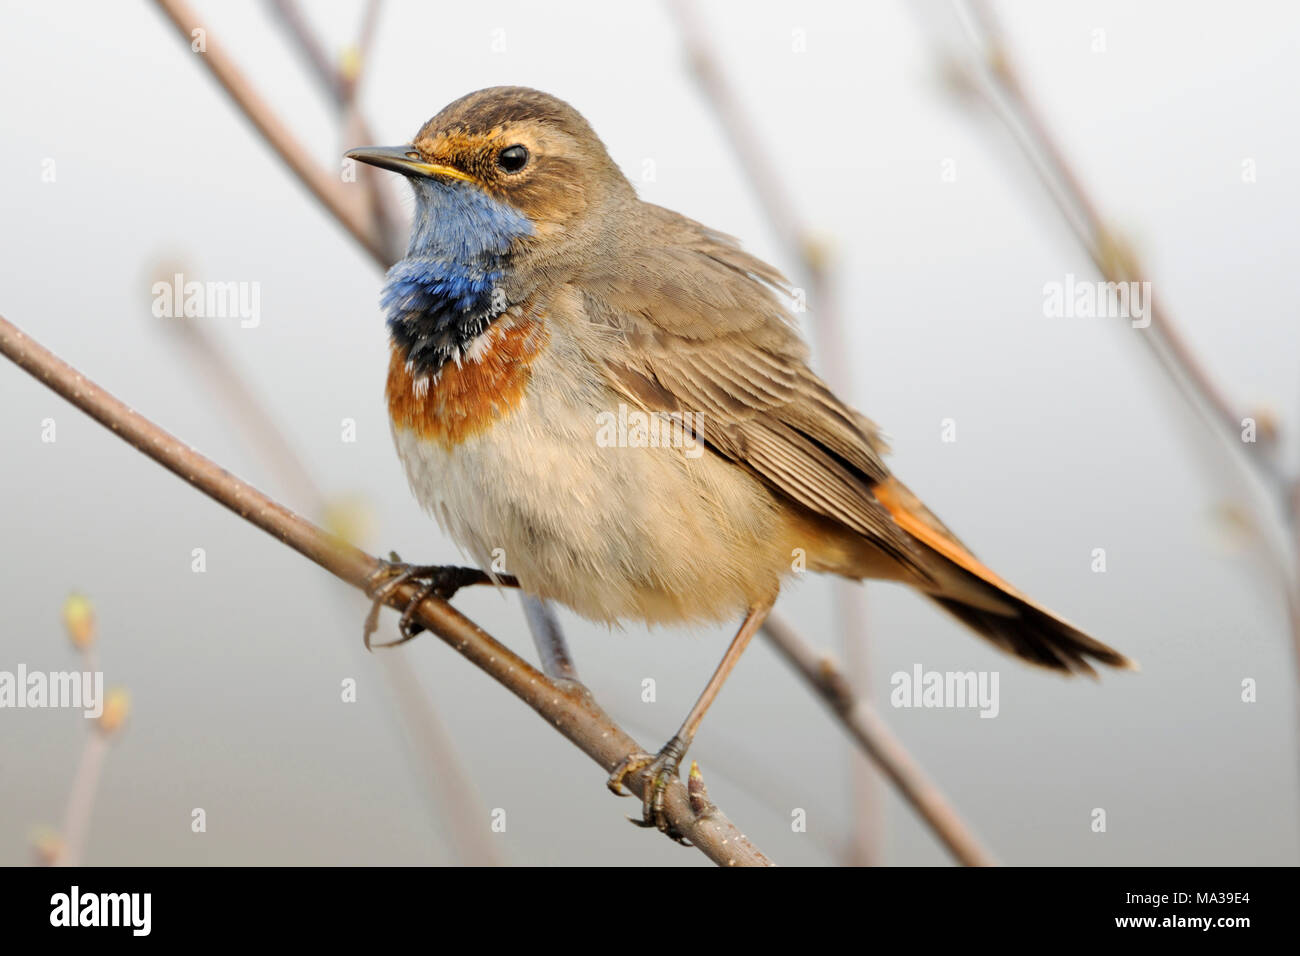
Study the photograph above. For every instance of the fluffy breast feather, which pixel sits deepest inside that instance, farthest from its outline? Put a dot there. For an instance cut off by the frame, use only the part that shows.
(466, 396)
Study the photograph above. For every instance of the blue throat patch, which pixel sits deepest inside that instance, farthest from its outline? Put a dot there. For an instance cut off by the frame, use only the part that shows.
(447, 290)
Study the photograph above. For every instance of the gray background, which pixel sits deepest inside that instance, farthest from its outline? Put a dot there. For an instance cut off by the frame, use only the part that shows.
(1068, 438)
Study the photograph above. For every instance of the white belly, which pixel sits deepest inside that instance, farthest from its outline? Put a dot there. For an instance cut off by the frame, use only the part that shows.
(658, 534)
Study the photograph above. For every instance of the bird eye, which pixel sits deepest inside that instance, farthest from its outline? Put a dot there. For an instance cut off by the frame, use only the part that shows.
(512, 159)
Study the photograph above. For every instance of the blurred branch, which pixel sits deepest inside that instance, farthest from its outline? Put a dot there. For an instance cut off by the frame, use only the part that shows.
(341, 84)
(999, 83)
(442, 772)
(322, 66)
(361, 51)
(266, 437)
(325, 185)
(69, 848)
(81, 800)
(875, 738)
(569, 708)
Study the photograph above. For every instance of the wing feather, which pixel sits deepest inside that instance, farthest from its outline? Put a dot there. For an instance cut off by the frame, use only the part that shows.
(705, 330)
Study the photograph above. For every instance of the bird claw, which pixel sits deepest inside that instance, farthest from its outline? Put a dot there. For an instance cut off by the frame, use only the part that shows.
(660, 769)
(441, 580)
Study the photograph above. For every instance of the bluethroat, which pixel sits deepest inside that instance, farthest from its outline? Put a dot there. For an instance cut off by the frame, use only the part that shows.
(616, 399)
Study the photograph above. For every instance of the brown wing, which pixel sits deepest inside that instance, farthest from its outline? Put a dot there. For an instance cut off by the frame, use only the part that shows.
(706, 332)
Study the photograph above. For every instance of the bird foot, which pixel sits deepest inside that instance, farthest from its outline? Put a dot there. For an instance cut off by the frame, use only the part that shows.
(434, 579)
(659, 769)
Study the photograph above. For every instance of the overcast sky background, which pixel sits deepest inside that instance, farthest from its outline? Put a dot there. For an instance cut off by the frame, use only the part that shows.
(1067, 437)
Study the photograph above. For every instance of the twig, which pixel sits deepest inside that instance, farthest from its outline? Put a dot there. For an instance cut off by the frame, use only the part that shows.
(440, 766)
(324, 185)
(320, 63)
(262, 432)
(570, 709)
(81, 799)
(68, 849)
(365, 41)
(732, 759)
(342, 87)
(875, 737)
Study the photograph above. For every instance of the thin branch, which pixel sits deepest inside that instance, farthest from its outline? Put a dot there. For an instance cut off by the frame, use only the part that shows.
(732, 759)
(874, 736)
(441, 769)
(341, 87)
(325, 185)
(81, 799)
(365, 42)
(260, 429)
(309, 47)
(80, 807)
(568, 707)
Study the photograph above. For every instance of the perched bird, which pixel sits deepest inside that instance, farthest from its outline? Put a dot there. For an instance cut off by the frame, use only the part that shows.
(616, 397)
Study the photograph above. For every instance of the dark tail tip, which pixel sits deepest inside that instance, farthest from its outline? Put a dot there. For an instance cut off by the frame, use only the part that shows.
(1038, 637)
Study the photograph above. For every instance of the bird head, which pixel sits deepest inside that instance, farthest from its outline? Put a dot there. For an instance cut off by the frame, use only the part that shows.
(512, 187)
(502, 170)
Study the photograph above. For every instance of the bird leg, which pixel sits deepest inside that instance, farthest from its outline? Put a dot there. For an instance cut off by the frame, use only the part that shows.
(552, 648)
(441, 580)
(660, 768)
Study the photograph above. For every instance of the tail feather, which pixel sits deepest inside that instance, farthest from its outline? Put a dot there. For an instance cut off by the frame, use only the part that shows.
(1037, 636)
(962, 585)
